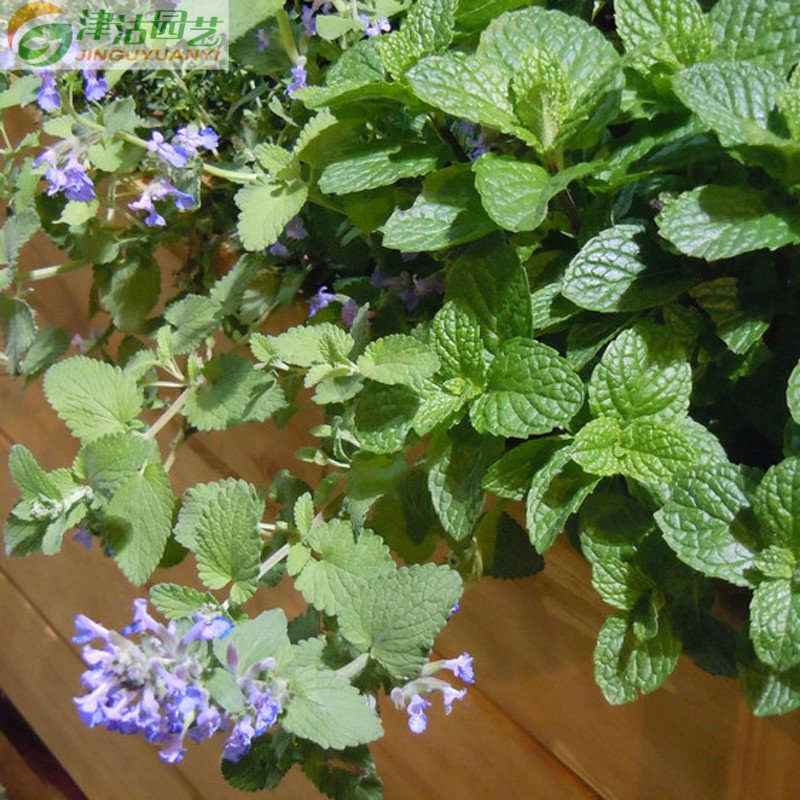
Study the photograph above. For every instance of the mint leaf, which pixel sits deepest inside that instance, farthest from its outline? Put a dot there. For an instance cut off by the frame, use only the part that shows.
(793, 394)
(489, 280)
(397, 359)
(91, 397)
(47, 347)
(513, 192)
(709, 523)
(456, 340)
(735, 100)
(111, 460)
(326, 709)
(618, 270)
(427, 28)
(384, 417)
(511, 475)
(341, 566)
(221, 399)
(19, 330)
(266, 205)
(468, 87)
(644, 372)
(306, 345)
(645, 450)
(715, 222)
(255, 639)
(194, 317)
(775, 623)
(620, 583)
(761, 31)
(447, 212)
(440, 406)
(530, 390)
(612, 526)
(768, 691)
(626, 666)
(454, 480)
(179, 602)
(556, 492)
(220, 524)
(139, 521)
(777, 504)
(396, 617)
(29, 477)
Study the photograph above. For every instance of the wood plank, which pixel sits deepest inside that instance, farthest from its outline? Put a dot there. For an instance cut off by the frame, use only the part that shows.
(19, 780)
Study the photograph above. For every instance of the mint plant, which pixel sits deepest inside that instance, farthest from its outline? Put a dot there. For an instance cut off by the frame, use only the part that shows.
(548, 256)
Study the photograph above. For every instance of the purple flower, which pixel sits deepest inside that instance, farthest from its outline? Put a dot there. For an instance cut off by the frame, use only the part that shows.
(263, 40)
(191, 140)
(87, 629)
(449, 695)
(278, 249)
(322, 299)
(94, 88)
(156, 190)
(417, 720)
(308, 21)
(172, 154)
(456, 607)
(238, 744)
(206, 628)
(473, 140)
(81, 535)
(295, 229)
(70, 179)
(408, 256)
(48, 98)
(461, 667)
(430, 285)
(299, 77)
(376, 28)
(349, 312)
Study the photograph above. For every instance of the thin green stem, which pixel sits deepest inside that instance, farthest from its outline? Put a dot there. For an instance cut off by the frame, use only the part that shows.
(286, 37)
(273, 560)
(43, 273)
(354, 667)
(169, 413)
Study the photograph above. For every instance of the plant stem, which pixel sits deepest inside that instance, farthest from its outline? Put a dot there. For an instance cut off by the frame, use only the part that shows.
(274, 559)
(230, 174)
(43, 273)
(169, 413)
(286, 37)
(354, 667)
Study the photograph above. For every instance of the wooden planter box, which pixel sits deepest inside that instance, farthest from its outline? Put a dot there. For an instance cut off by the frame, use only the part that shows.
(533, 726)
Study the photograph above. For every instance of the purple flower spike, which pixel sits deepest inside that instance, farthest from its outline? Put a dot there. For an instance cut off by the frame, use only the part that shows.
(82, 536)
(48, 98)
(461, 667)
(278, 249)
(86, 630)
(308, 21)
(78, 185)
(172, 154)
(238, 744)
(349, 312)
(299, 77)
(322, 299)
(204, 628)
(417, 720)
(295, 229)
(94, 88)
(263, 40)
(160, 189)
(191, 140)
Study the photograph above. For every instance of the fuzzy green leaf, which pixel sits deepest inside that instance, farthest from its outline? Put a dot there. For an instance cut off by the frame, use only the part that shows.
(384, 417)
(179, 602)
(775, 624)
(398, 359)
(221, 400)
(266, 205)
(456, 340)
(777, 504)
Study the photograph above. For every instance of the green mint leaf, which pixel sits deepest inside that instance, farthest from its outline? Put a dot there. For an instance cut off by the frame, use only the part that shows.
(341, 565)
(28, 476)
(348, 774)
(347, 93)
(776, 562)
(440, 407)
(221, 399)
(396, 617)
(331, 26)
(612, 526)
(646, 450)
(735, 100)
(489, 280)
(626, 666)
(777, 504)
(91, 397)
(368, 166)
(427, 29)
(19, 330)
(505, 550)
(304, 514)
(256, 639)
(447, 212)
(22, 537)
(556, 492)
(326, 709)
(775, 623)
(793, 394)
(619, 270)
(372, 475)
(475, 15)
(21, 92)
(47, 347)
(530, 390)
(675, 32)
(761, 31)
(225, 691)
(108, 462)
(769, 692)
(620, 583)
(470, 88)
(266, 205)
(307, 345)
(644, 372)
(194, 318)
(715, 222)
(511, 475)
(360, 62)
(710, 525)
(512, 191)
(456, 340)
(273, 158)
(398, 359)
(139, 521)
(454, 480)
(219, 522)
(384, 417)
(180, 602)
